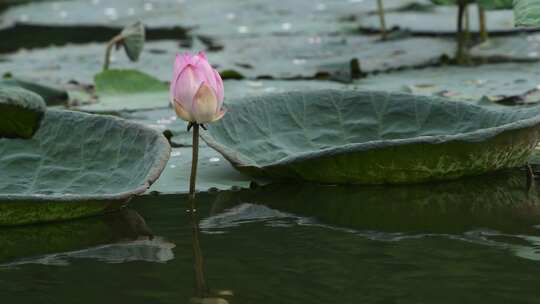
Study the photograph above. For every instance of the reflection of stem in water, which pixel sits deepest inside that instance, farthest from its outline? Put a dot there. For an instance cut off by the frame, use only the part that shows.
(114, 41)
(198, 264)
(201, 291)
(380, 10)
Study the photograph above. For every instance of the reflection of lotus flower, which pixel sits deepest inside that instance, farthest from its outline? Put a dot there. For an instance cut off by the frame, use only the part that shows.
(196, 89)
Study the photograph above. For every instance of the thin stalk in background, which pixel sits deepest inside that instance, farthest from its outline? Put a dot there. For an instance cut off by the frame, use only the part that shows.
(116, 39)
(380, 10)
(482, 20)
(461, 51)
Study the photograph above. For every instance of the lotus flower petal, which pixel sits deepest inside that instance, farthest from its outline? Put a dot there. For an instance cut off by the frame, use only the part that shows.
(196, 89)
(205, 105)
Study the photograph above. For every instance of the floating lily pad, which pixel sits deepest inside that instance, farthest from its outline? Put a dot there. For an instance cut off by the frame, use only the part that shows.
(60, 65)
(127, 90)
(328, 56)
(77, 165)
(515, 48)
(21, 112)
(306, 57)
(371, 137)
(460, 83)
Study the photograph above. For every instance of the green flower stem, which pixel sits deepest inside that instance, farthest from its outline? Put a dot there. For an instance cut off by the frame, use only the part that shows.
(380, 10)
(116, 39)
(194, 162)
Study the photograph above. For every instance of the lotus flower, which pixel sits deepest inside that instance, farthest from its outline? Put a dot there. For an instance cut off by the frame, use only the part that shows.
(196, 89)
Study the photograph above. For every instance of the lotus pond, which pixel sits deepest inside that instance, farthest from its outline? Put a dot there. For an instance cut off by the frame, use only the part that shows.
(374, 151)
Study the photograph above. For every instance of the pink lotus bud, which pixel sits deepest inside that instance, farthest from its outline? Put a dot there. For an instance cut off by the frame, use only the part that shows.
(196, 89)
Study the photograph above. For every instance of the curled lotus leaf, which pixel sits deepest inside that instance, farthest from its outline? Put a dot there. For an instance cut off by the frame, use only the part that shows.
(21, 112)
(373, 137)
(133, 40)
(77, 165)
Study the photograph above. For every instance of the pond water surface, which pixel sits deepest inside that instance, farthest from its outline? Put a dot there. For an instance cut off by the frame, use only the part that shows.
(473, 241)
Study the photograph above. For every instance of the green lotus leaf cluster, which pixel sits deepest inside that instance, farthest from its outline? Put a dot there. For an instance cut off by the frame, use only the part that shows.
(527, 12)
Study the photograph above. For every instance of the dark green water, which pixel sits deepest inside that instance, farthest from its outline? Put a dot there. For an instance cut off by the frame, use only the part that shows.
(473, 241)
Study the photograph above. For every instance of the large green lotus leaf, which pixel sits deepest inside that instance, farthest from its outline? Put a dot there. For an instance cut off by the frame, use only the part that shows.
(38, 240)
(165, 119)
(76, 165)
(527, 12)
(127, 90)
(460, 83)
(502, 202)
(21, 112)
(442, 21)
(371, 137)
